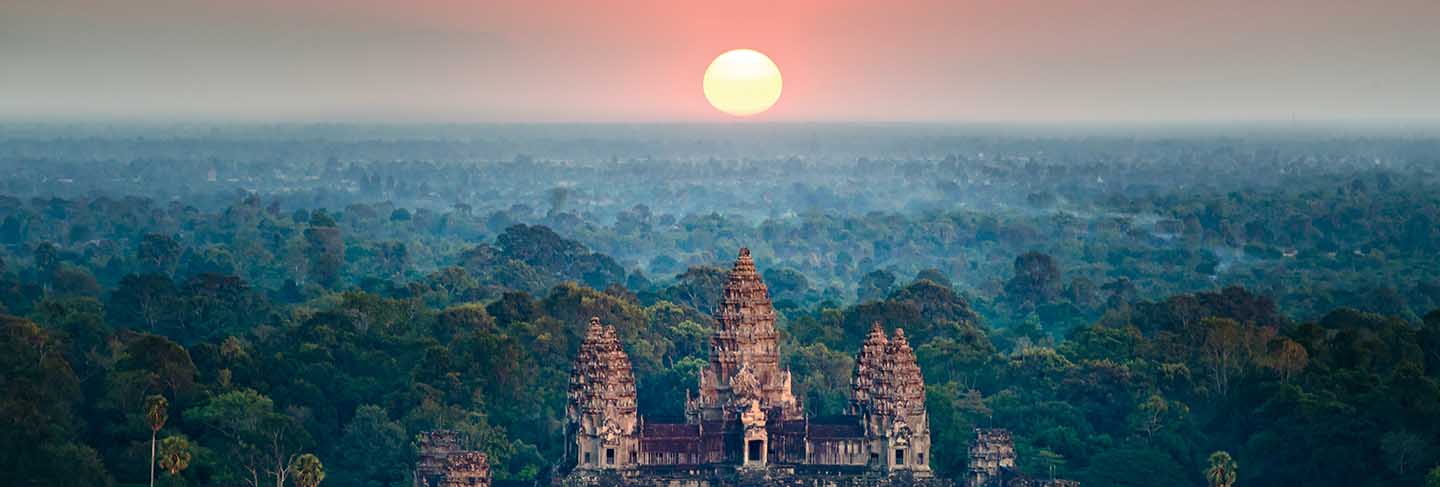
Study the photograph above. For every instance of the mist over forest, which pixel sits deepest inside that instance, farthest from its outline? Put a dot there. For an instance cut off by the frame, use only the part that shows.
(1126, 300)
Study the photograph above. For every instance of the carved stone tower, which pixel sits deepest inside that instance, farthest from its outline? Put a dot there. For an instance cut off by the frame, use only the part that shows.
(888, 394)
(868, 367)
(603, 423)
(744, 354)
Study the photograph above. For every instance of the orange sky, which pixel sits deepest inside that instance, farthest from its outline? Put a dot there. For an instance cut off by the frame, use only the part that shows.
(642, 61)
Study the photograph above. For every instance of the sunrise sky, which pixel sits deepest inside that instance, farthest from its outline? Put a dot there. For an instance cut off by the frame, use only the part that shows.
(843, 60)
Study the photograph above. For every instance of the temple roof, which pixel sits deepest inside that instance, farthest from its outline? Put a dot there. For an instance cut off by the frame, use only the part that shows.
(745, 300)
(602, 378)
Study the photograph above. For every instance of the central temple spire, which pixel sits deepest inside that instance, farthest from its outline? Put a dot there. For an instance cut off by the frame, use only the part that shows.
(745, 340)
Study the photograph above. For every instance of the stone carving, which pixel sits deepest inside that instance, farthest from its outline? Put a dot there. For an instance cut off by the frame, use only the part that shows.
(467, 469)
(745, 387)
(745, 338)
(443, 462)
(601, 407)
(753, 418)
(888, 393)
(868, 367)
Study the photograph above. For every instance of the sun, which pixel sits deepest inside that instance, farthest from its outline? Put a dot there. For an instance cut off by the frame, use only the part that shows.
(742, 82)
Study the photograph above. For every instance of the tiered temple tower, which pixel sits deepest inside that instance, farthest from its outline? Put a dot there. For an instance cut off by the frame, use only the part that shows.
(601, 411)
(888, 394)
(868, 366)
(744, 354)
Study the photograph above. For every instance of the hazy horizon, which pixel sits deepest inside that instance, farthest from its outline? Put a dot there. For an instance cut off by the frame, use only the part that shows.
(573, 62)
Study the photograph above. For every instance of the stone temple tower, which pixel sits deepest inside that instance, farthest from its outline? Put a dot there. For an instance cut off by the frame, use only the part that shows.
(888, 394)
(744, 354)
(602, 421)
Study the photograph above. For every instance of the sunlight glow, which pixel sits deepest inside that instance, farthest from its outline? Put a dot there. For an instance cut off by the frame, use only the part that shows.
(742, 82)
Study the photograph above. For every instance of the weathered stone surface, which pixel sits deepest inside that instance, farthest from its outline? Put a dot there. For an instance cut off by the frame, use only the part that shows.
(868, 368)
(467, 469)
(745, 339)
(443, 462)
(890, 398)
(601, 409)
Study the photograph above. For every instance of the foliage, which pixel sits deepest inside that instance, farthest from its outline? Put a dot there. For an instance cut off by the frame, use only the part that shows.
(1274, 303)
(175, 454)
(1222, 471)
(307, 471)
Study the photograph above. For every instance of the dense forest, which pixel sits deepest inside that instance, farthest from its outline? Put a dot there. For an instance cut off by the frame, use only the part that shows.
(242, 305)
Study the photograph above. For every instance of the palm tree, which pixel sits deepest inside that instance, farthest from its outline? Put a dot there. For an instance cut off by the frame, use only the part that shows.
(307, 470)
(1222, 471)
(156, 412)
(174, 454)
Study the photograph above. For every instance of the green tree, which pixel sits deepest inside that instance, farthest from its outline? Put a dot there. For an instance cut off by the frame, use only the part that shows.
(1036, 281)
(1223, 351)
(1222, 471)
(698, 287)
(175, 454)
(47, 256)
(1401, 450)
(373, 451)
(1155, 414)
(256, 440)
(41, 393)
(1133, 467)
(306, 470)
(143, 301)
(156, 412)
(158, 253)
(325, 248)
(875, 285)
(1432, 479)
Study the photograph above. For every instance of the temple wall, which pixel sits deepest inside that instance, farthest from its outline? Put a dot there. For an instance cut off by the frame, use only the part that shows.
(843, 451)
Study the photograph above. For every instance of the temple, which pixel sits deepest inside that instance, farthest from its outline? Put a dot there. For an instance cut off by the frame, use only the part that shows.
(744, 424)
(442, 461)
(992, 463)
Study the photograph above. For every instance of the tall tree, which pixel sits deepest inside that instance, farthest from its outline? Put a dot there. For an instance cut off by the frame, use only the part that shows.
(1227, 350)
(156, 412)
